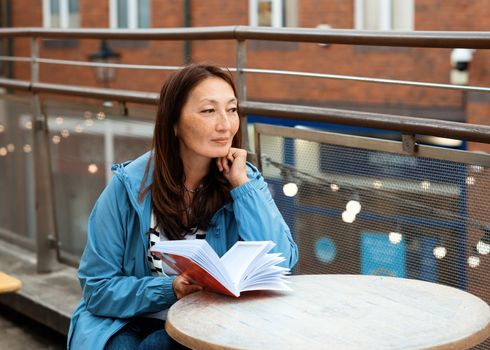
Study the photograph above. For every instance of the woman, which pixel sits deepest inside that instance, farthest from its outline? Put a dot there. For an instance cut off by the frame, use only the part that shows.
(195, 182)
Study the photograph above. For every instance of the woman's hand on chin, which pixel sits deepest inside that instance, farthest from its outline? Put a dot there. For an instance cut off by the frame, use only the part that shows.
(234, 166)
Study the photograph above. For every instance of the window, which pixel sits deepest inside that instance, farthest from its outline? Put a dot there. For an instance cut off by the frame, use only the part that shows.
(273, 13)
(61, 14)
(129, 14)
(384, 14)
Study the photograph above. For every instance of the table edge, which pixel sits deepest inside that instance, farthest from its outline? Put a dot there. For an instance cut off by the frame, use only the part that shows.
(191, 342)
(467, 342)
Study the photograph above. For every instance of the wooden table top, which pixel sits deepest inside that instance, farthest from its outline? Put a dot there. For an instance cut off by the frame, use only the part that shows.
(8, 283)
(334, 312)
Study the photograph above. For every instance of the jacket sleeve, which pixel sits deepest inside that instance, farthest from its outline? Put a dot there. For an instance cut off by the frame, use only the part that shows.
(259, 219)
(107, 290)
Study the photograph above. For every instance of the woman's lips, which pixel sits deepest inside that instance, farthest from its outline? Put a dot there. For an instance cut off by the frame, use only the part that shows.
(221, 141)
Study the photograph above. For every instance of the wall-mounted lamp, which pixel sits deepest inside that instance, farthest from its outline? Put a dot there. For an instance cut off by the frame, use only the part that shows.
(105, 75)
(460, 62)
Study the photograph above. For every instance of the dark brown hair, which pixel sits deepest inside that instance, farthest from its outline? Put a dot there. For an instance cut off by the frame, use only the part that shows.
(167, 191)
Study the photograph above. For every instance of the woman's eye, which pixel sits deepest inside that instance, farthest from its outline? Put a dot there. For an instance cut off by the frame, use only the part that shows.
(210, 110)
(233, 110)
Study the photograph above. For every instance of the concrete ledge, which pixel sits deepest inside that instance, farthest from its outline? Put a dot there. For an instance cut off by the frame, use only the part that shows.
(49, 299)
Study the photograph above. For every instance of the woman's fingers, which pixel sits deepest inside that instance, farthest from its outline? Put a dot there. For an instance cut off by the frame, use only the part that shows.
(183, 287)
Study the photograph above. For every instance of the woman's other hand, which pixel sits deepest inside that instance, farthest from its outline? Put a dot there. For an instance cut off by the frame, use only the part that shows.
(182, 287)
(234, 166)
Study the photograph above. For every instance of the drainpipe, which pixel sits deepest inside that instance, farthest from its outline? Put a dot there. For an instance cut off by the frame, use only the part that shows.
(187, 24)
(10, 43)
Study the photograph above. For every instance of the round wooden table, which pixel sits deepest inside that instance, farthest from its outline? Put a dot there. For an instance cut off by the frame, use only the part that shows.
(334, 312)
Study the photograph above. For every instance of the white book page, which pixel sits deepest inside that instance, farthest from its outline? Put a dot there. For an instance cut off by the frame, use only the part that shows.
(243, 255)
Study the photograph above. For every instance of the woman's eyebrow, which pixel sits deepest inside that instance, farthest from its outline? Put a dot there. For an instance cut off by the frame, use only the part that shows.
(215, 101)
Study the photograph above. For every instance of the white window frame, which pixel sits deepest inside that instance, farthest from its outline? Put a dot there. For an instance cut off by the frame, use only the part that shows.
(64, 14)
(386, 14)
(277, 13)
(132, 14)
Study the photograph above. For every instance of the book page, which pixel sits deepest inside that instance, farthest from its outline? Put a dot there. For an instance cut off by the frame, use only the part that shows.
(241, 257)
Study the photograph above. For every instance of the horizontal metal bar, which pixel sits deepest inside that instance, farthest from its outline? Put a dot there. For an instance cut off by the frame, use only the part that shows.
(110, 65)
(434, 39)
(424, 126)
(17, 239)
(15, 59)
(194, 33)
(368, 80)
(475, 40)
(15, 84)
(373, 144)
(109, 94)
(107, 65)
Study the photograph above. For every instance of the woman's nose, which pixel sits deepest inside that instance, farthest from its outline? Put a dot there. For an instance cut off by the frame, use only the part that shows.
(222, 123)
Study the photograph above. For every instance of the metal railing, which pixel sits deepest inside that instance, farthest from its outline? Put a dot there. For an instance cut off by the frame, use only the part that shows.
(47, 248)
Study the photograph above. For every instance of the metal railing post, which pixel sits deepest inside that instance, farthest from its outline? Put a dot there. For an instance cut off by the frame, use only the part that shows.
(241, 61)
(45, 228)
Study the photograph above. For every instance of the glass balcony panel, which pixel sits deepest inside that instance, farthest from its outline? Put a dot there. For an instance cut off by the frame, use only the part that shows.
(16, 167)
(85, 141)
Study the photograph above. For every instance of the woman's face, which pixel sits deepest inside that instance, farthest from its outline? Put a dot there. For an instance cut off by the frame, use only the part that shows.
(208, 120)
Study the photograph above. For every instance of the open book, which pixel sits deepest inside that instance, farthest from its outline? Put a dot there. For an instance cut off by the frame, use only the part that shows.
(246, 266)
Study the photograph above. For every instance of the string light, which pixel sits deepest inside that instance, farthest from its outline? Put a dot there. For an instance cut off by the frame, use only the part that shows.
(92, 168)
(89, 122)
(483, 248)
(3, 151)
(56, 139)
(27, 148)
(334, 187)
(348, 217)
(101, 116)
(395, 237)
(2, 128)
(290, 189)
(425, 185)
(377, 184)
(87, 115)
(28, 125)
(59, 120)
(476, 168)
(474, 261)
(470, 180)
(10, 147)
(65, 133)
(353, 206)
(483, 245)
(440, 252)
(78, 128)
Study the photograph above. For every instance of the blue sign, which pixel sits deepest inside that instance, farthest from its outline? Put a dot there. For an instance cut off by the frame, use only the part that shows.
(325, 250)
(381, 257)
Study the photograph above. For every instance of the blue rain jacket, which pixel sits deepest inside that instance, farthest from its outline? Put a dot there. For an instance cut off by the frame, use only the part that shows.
(114, 273)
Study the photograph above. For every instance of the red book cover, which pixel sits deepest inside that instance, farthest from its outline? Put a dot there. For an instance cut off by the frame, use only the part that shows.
(194, 272)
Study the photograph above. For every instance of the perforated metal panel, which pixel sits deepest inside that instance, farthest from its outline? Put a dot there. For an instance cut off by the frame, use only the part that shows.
(423, 216)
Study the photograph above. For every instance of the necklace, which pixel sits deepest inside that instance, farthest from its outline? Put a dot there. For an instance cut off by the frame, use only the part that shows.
(192, 190)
